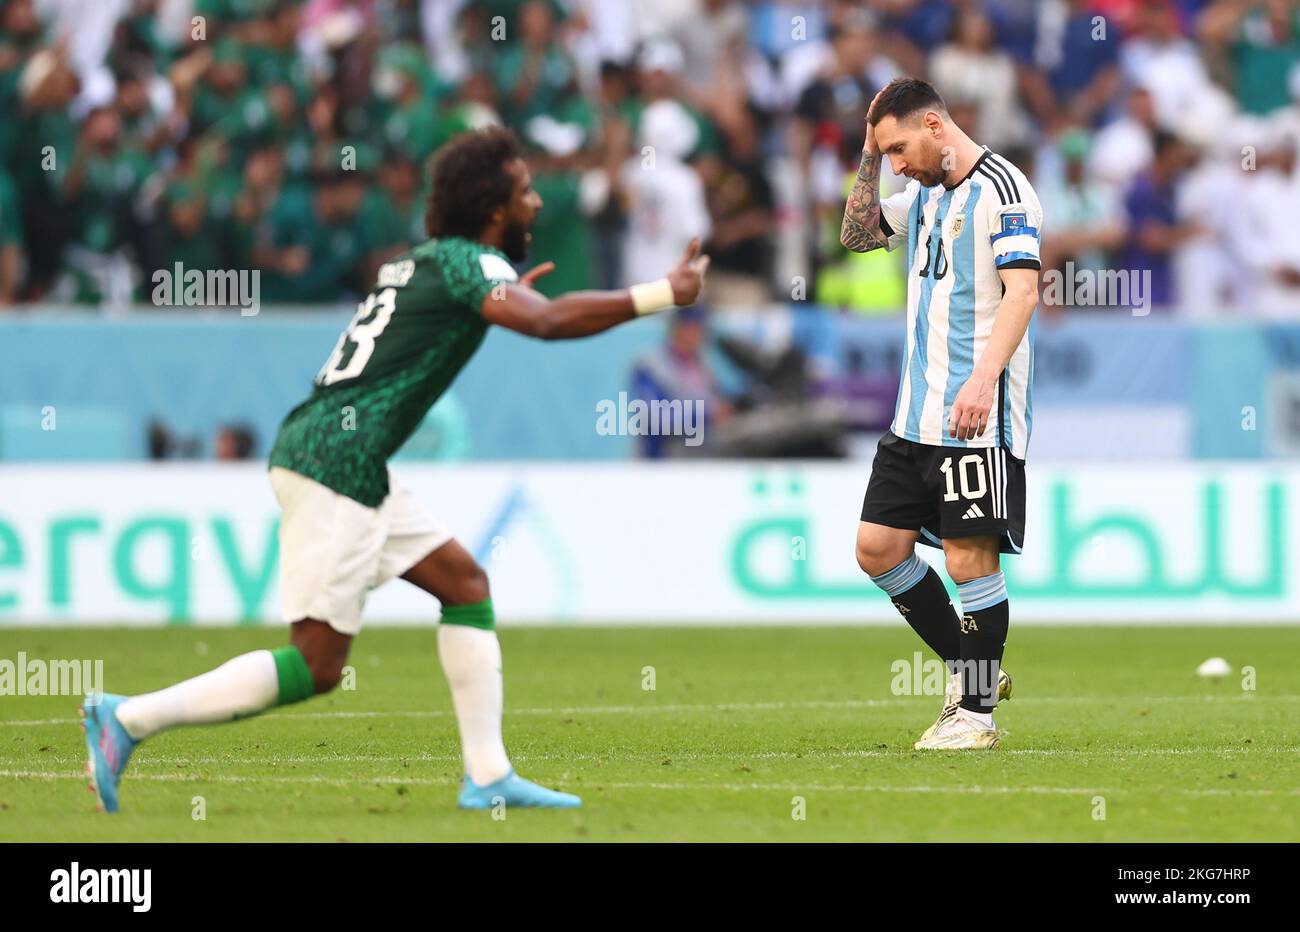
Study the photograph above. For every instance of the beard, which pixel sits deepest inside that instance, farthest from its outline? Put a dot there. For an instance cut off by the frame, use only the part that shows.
(932, 178)
(935, 173)
(515, 243)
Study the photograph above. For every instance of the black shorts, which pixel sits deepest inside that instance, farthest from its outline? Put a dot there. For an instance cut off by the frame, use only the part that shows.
(947, 492)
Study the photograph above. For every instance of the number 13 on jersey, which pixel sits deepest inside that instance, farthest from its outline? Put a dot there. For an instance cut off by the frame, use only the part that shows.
(369, 322)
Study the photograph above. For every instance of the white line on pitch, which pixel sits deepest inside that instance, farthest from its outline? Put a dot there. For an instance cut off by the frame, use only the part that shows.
(615, 756)
(730, 787)
(741, 707)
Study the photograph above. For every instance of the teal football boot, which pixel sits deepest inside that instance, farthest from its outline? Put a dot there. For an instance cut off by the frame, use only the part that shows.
(108, 748)
(512, 791)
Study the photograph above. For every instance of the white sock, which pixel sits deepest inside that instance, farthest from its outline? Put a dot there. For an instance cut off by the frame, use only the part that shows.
(471, 658)
(984, 719)
(242, 686)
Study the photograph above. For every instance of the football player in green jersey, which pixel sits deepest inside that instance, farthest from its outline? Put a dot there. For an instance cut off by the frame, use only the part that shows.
(346, 525)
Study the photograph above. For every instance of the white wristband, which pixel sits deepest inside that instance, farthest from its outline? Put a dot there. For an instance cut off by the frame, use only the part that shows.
(652, 297)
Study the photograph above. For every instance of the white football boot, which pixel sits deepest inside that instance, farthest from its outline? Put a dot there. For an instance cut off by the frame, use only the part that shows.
(960, 732)
(952, 700)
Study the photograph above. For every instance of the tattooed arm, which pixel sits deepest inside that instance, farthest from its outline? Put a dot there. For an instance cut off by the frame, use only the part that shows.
(860, 230)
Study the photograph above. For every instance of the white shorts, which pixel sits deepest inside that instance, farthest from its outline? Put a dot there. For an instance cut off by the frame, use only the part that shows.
(334, 550)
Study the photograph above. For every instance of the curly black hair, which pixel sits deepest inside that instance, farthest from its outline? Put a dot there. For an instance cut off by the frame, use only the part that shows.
(470, 181)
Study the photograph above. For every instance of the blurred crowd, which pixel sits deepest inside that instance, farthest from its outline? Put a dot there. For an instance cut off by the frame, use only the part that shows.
(291, 138)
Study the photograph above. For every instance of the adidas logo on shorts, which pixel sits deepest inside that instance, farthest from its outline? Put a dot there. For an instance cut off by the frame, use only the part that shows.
(972, 512)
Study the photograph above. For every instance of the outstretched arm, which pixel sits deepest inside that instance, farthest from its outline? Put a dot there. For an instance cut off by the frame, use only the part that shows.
(520, 308)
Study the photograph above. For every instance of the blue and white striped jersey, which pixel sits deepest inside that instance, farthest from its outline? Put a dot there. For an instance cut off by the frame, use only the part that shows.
(957, 240)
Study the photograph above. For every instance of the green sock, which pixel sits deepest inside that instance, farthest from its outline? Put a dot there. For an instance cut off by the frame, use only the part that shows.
(475, 615)
(294, 675)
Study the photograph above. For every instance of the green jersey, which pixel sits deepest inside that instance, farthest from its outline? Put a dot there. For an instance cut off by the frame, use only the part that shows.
(407, 342)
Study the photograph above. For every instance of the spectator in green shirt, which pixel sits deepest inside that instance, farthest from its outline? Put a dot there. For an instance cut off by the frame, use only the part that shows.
(559, 153)
(191, 231)
(242, 201)
(414, 118)
(45, 138)
(101, 186)
(1262, 44)
(271, 54)
(311, 249)
(20, 37)
(142, 126)
(268, 116)
(533, 74)
(223, 92)
(404, 194)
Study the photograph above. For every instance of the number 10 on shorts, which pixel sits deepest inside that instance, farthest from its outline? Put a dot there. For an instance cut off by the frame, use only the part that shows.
(971, 481)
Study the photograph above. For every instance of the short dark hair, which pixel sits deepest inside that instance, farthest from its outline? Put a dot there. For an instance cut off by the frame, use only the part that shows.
(470, 181)
(903, 97)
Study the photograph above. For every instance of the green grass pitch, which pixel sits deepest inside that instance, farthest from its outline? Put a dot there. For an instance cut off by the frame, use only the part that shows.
(741, 725)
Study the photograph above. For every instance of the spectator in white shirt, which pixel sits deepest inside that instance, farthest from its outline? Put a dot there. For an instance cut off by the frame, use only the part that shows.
(665, 198)
(1159, 58)
(1264, 232)
(1124, 148)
